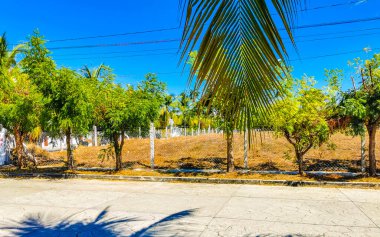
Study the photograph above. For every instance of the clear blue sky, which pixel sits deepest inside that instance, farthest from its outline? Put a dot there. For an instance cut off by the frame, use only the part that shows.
(63, 19)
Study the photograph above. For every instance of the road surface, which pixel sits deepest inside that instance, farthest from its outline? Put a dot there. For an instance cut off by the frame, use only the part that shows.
(33, 207)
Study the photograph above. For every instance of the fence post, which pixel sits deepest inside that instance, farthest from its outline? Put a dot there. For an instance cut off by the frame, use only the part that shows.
(140, 132)
(152, 136)
(185, 132)
(166, 132)
(61, 144)
(192, 132)
(246, 149)
(95, 138)
(362, 155)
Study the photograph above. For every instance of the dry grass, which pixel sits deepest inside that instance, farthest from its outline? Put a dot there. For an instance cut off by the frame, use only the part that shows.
(208, 151)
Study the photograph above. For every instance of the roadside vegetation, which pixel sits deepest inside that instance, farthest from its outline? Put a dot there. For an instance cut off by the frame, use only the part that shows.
(304, 120)
(239, 85)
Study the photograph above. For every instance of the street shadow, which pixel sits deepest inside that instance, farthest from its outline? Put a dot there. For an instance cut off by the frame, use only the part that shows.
(272, 235)
(161, 225)
(267, 166)
(332, 165)
(38, 225)
(197, 163)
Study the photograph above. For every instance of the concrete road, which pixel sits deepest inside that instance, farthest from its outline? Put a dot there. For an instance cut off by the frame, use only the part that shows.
(101, 208)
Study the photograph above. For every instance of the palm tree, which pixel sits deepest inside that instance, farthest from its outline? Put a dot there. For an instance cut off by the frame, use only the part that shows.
(7, 56)
(93, 75)
(166, 111)
(239, 51)
(184, 107)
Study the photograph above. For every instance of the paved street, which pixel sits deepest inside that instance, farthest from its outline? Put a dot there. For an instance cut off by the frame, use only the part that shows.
(101, 208)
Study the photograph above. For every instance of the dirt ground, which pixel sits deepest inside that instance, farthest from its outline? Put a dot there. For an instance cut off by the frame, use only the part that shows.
(267, 152)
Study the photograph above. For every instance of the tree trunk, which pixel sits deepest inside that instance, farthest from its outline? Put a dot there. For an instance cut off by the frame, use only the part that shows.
(362, 153)
(70, 156)
(118, 160)
(299, 156)
(230, 156)
(371, 149)
(118, 150)
(19, 147)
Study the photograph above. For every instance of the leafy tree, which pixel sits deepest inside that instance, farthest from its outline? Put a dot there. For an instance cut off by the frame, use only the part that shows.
(166, 112)
(185, 106)
(153, 89)
(7, 62)
(20, 108)
(300, 116)
(38, 64)
(93, 76)
(69, 109)
(20, 103)
(225, 107)
(362, 105)
(121, 109)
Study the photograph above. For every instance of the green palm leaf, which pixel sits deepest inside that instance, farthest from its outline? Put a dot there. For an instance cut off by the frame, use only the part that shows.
(8, 57)
(239, 51)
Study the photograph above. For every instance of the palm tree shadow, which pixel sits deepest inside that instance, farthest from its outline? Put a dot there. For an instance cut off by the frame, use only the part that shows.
(162, 224)
(35, 226)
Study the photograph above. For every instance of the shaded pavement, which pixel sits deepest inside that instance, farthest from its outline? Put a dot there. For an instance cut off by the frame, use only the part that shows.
(34, 207)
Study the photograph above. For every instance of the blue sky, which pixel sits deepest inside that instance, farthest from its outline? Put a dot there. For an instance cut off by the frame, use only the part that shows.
(65, 19)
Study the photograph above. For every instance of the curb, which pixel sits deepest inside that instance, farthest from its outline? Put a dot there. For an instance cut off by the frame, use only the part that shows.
(192, 180)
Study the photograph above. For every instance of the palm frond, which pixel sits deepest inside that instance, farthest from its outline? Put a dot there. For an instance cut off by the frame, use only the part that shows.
(94, 73)
(239, 51)
(98, 71)
(8, 57)
(3, 47)
(11, 57)
(86, 71)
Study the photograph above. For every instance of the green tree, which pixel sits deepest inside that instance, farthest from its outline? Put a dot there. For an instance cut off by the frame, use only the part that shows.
(20, 109)
(20, 102)
(301, 116)
(69, 110)
(226, 108)
(93, 76)
(362, 105)
(121, 109)
(185, 107)
(7, 62)
(166, 112)
(38, 64)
